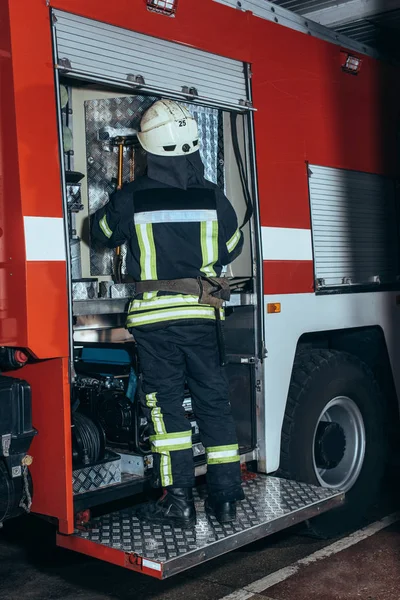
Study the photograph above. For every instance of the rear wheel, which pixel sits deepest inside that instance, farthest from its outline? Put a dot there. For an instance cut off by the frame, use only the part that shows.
(333, 434)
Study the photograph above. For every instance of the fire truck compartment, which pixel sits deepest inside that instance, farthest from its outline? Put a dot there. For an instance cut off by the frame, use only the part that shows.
(271, 504)
(111, 450)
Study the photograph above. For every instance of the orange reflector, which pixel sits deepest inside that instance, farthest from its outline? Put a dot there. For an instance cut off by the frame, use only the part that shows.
(273, 308)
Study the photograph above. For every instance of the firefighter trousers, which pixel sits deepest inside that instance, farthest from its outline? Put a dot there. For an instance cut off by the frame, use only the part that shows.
(169, 357)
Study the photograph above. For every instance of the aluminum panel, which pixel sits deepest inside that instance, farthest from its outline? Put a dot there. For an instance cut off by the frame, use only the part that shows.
(94, 477)
(270, 505)
(305, 6)
(354, 225)
(103, 50)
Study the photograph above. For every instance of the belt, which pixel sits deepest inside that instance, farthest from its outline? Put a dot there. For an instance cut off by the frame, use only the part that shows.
(210, 290)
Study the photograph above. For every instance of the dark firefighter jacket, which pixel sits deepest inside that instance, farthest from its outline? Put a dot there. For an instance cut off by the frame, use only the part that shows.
(176, 225)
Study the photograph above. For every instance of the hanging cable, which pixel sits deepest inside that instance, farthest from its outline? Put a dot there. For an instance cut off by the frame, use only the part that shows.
(242, 170)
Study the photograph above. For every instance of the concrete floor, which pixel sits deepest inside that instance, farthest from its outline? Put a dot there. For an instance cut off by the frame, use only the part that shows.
(369, 570)
(32, 568)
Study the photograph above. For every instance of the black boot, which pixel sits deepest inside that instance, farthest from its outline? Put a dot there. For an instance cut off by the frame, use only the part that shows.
(175, 507)
(224, 512)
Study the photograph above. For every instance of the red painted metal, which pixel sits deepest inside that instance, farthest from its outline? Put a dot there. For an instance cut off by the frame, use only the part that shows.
(51, 449)
(13, 318)
(308, 110)
(288, 277)
(111, 555)
(31, 184)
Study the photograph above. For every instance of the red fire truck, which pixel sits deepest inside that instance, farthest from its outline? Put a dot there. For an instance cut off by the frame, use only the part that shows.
(295, 121)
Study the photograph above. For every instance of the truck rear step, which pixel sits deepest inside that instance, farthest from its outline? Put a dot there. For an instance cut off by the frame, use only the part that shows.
(271, 504)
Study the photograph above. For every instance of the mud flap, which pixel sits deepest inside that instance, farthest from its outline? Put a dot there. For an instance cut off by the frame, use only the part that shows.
(271, 504)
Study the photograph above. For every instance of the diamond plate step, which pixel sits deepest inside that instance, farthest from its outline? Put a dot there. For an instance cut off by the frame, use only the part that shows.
(270, 505)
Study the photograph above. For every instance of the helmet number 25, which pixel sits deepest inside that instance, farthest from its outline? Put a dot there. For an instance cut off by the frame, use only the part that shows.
(182, 123)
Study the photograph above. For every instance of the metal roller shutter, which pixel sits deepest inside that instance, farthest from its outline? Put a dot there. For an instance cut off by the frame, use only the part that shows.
(354, 227)
(101, 52)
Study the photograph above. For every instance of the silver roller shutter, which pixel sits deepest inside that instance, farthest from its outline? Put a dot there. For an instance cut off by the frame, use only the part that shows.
(354, 227)
(101, 52)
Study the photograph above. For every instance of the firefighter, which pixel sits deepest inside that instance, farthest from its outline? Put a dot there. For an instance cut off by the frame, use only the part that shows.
(180, 230)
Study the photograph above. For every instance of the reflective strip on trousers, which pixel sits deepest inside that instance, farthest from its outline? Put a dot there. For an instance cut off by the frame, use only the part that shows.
(166, 469)
(159, 428)
(105, 227)
(169, 442)
(217, 455)
(209, 246)
(156, 414)
(233, 242)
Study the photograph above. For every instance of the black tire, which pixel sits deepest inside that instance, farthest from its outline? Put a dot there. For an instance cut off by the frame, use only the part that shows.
(318, 377)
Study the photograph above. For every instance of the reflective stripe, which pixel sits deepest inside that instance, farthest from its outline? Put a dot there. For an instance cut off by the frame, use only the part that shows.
(222, 454)
(166, 469)
(175, 216)
(209, 246)
(172, 436)
(172, 441)
(148, 264)
(233, 242)
(104, 227)
(163, 301)
(156, 414)
(159, 427)
(149, 295)
(222, 448)
(172, 447)
(223, 460)
(194, 312)
(167, 442)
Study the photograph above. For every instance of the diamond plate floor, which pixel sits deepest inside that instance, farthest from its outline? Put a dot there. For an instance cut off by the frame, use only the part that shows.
(270, 504)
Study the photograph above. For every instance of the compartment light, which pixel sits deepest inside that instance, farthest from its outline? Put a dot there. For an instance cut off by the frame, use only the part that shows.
(350, 63)
(165, 7)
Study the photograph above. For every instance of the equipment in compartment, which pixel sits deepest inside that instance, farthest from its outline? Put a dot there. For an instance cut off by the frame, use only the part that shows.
(74, 205)
(16, 434)
(84, 289)
(105, 400)
(94, 465)
(107, 391)
(88, 440)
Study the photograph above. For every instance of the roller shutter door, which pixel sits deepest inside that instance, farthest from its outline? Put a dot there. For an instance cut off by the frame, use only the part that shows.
(101, 52)
(354, 227)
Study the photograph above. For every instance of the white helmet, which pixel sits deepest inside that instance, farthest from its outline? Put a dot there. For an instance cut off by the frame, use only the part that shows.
(168, 129)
